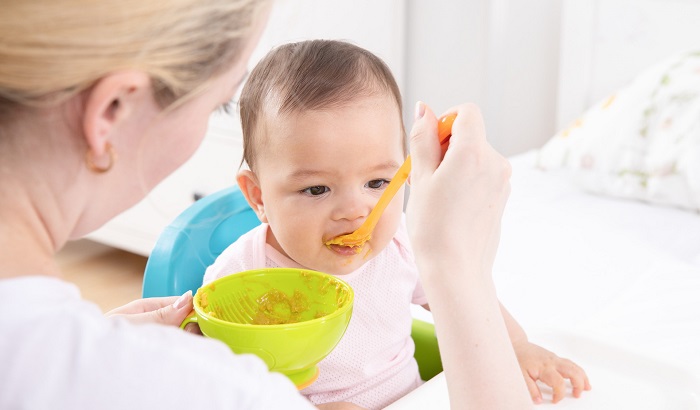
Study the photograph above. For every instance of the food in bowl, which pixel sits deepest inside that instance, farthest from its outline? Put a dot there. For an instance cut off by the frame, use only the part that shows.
(290, 318)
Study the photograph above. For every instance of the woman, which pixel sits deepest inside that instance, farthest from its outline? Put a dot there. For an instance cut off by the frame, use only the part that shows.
(99, 101)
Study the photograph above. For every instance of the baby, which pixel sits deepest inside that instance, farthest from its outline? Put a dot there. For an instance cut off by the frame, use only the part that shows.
(323, 135)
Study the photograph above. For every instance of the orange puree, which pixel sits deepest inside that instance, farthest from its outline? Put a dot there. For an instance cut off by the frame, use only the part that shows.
(276, 308)
(204, 300)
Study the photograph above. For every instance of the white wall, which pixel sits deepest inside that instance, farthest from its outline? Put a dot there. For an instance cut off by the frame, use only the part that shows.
(610, 42)
(501, 54)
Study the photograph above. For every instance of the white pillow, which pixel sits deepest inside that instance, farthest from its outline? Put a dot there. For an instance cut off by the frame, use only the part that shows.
(642, 142)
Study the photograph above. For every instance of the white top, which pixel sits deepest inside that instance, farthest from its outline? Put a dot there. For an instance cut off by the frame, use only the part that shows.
(373, 364)
(58, 351)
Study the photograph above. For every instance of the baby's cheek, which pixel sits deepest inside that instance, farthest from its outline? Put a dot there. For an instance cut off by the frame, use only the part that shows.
(385, 231)
(302, 242)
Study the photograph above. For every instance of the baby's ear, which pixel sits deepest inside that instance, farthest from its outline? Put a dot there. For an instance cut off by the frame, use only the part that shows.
(249, 185)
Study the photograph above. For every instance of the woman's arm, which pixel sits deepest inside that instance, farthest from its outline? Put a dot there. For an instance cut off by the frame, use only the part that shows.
(454, 216)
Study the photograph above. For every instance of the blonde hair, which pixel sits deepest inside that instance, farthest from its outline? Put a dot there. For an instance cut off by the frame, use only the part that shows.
(310, 75)
(51, 50)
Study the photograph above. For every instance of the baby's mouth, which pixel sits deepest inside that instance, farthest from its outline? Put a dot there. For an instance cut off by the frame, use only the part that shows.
(345, 250)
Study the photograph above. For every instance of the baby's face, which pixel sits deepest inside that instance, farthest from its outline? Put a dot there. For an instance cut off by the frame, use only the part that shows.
(322, 172)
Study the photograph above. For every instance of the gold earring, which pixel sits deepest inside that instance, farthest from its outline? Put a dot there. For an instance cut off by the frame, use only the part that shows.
(90, 161)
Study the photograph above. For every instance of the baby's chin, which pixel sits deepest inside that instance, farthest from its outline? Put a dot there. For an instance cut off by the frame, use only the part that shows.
(339, 262)
(335, 270)
(346, 264)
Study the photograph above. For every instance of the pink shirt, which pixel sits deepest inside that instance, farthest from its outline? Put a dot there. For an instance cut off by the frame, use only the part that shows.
(373, 364)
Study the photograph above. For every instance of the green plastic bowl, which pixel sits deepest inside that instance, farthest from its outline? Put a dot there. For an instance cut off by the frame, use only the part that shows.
(290, 318)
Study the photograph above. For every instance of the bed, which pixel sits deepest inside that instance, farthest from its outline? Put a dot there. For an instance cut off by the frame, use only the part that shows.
(600, 251)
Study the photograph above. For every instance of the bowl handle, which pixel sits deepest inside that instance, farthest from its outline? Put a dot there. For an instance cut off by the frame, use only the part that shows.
(191, 318)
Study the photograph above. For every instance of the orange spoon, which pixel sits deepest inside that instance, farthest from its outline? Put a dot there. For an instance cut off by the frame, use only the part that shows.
(358, 238)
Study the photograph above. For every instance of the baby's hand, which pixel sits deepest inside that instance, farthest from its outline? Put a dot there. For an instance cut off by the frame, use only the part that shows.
(538, 363)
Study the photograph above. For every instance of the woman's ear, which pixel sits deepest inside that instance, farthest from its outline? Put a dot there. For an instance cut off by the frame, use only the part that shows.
(248, 182)
(113, 99)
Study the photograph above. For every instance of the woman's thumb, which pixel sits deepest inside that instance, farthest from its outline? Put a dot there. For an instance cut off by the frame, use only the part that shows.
(425, 148)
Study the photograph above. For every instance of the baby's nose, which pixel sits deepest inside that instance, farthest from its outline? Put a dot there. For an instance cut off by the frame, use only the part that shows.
(353, 206)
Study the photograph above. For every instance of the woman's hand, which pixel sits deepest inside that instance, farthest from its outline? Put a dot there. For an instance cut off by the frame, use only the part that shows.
(454, 220)
(538, 363)
(170, 310)
(456, 202)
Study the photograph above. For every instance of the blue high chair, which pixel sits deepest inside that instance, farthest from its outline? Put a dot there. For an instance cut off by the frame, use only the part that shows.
(201, 232)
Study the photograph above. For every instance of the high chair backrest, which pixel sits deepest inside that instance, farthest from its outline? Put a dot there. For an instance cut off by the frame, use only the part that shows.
(201, 232)
(193, 241)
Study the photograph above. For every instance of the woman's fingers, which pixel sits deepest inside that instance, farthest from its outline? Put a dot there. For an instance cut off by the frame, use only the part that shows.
(167, 311)
(144, 305)
(457, 201)
(468, 127)
(425, 148)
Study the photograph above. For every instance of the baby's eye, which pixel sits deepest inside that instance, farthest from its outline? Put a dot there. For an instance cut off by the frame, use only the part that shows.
(377, 183)
(316, 190)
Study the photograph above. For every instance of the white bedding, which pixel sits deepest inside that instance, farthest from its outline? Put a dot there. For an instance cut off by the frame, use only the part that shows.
(613, 284)
(625, 269)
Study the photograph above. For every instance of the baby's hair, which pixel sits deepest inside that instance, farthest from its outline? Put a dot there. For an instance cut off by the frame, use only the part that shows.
(309, 75)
